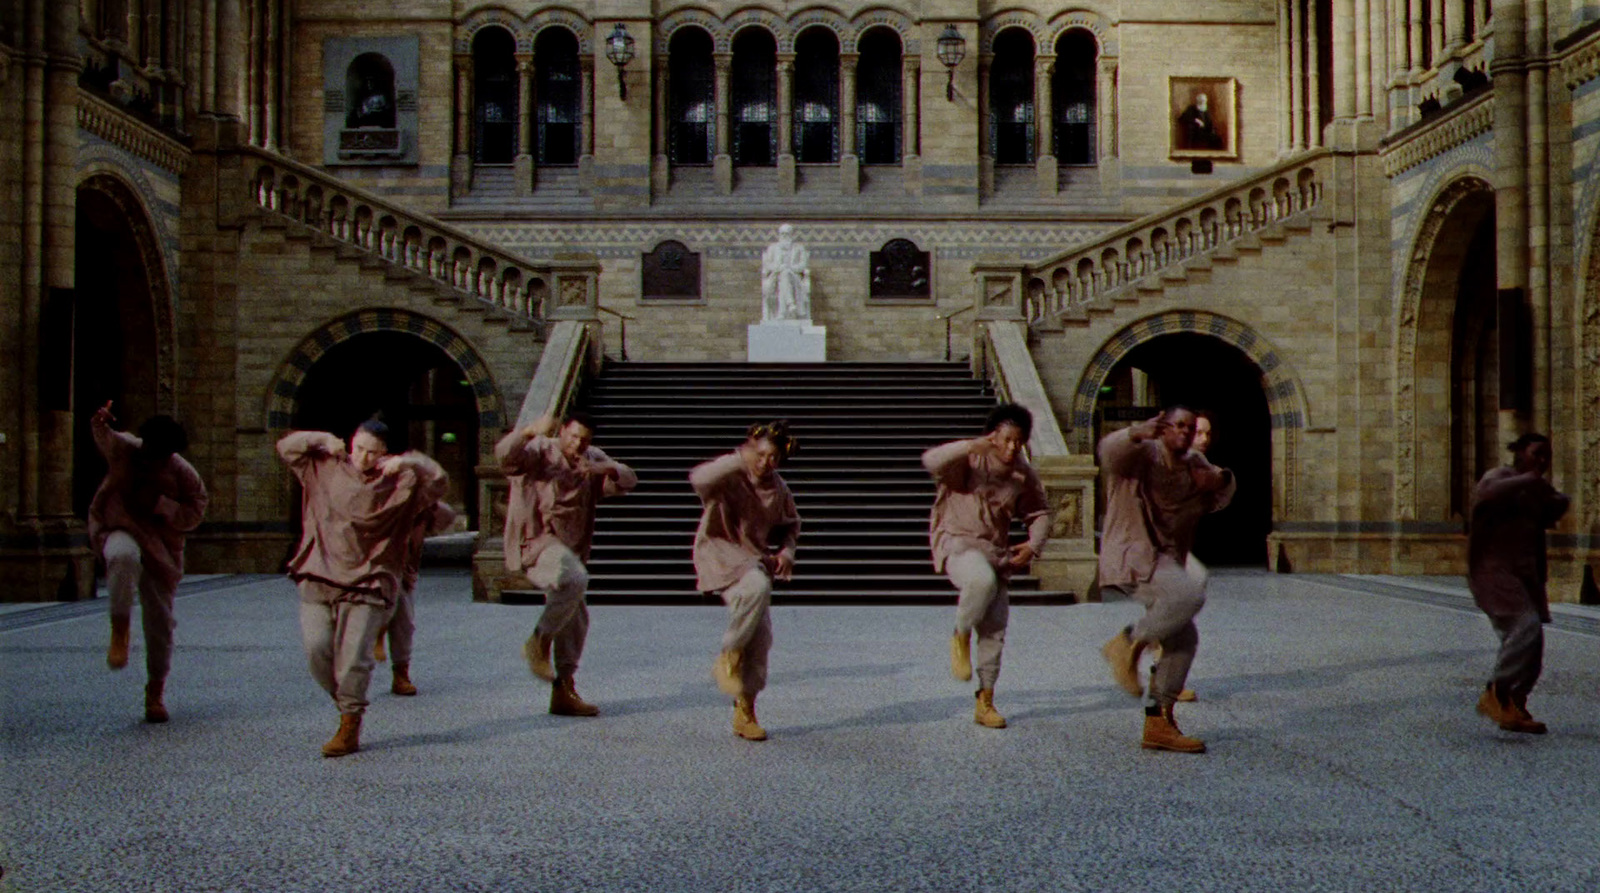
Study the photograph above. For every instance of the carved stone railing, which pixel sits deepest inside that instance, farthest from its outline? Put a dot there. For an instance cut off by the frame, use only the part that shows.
(556, 289)
(1159, 244)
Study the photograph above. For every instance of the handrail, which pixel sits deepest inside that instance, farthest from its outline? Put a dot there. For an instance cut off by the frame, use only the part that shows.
(623, 352)
(1144, 248)
(417, 242)
(559, 375)
(1008, 365)
(947, 326)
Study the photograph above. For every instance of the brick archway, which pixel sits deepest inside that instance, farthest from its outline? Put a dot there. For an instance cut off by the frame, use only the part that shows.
(282, 395)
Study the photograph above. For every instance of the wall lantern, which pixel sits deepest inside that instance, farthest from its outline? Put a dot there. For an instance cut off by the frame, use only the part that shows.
(619, 49)
(952, 49)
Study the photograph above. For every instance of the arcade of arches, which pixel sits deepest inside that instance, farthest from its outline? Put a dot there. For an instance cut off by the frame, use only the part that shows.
(1377, 262)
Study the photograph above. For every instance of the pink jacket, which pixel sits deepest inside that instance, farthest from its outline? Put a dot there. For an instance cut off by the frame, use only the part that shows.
(156, 506)
(552, 500)
(978, 496)
(429, 522)
(743, 518)
(1152, 506)
(356, 527)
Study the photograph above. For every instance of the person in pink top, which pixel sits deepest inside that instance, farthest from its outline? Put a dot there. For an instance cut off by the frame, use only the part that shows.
(402, 627)
(746, 539)
(1157, 489)
(150, 498)
(557, 478)
(358, 510)
(984, 483)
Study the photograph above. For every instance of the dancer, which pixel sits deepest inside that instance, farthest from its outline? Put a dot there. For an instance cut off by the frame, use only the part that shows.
(746, 539)
(402, 626)
(150, 498)
(1511, 508)
(984, 482)
(1156, 491)
(358, 509)
(1201, 445)
(557, 478)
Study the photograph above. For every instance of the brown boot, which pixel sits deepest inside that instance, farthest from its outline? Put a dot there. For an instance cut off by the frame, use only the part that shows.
(564, 700)
(117, 651)
(744, 719)
(348, 739)
(154, 710)
(1489, 705)
(402, 681)
(984, 713)
(1518, 719)
(378, 653)
(537, 652)
(961, 655)
(729, 672)
(1122, 656)
(1161, 733)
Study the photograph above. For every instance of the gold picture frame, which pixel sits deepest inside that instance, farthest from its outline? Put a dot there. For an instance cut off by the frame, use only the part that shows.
(1203, 117)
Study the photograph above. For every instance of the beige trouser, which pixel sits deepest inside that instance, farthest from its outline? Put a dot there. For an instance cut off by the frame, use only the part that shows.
(338, 633)
(402, 626)
(126, 577)
(749, 632)
(983, 605)
(1171, 598)
(566, 615)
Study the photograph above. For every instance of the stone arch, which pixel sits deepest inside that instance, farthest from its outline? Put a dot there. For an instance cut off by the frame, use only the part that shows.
(1422, 335)
(991, 27)
(706, 20)
(1105, 32)
(883, 17)
(782, 37)
(282, 394)
(468, 28)
(158, 279)
(824, 17)
(581, 28)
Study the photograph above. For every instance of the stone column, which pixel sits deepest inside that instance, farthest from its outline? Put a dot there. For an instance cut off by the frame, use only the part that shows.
(1378, 59)
(230, 58)
(586, 79)
(660, 169)
(1436, 31)
(1313, 68)
(461, 162)
(1106, 107)
(787, 175)
(1286, 76)
(1399, 63)
(523, 163)
(985, 150)
(1539, 216)
(1455, 24)
(1480, 17)
(849, 161)
(206, 97)
(722, 164)
(911, 121)
(1296, 104)
(1362, 29)
(1046, 165)
(1509, 79)
(270, 65)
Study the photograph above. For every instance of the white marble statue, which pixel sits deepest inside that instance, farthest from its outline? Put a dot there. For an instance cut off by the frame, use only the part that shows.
(785, 278)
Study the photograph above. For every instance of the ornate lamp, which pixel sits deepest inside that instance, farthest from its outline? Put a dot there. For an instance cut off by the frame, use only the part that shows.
(619, 49)
(952, 49)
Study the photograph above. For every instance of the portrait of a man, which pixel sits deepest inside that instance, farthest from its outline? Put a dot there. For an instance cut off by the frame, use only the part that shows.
(1203, 116)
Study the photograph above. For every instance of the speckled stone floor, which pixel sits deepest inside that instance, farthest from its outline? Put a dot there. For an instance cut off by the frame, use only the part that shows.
(1345, 755)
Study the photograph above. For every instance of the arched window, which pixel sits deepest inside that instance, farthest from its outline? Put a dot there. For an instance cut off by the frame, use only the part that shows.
(1073, 89)
(1011, 97)
(369, 92)
(555, 89)
(755, 98)
(878, 107)
(816, 97)
(691, 99)
(494, 116)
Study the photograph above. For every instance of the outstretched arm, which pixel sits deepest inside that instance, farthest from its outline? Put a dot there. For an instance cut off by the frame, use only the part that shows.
(619, 478)
(513, 453)
(947, 462)
(709, 478)
(113, 445)
(432, 480)
(299, 447)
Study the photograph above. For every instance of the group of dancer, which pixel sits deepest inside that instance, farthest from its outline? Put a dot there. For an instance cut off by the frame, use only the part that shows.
(365, 513)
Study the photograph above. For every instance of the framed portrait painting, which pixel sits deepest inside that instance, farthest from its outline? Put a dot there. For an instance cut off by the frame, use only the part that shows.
(1204, 117)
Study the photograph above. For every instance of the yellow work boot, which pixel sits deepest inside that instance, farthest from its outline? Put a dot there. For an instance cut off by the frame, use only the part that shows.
(117, 652)
(402, 681)
(744, 719)
(348, 739)
(1161, 733)
(984, 713)
(1489, 705)
(564, 700)
(729, 672)
(537, 653)
(1122, 656)
(154, 710)
(378, 654)
(961, 655)
(1518, 719)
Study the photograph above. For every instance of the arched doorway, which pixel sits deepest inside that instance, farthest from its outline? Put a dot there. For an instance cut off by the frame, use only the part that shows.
(117, 319)
(422, 393)
(1206, 373)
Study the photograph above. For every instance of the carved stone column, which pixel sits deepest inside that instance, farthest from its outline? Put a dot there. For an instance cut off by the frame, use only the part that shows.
(786, 162)
(985, 150)
(1313, 70)
(523, 163)
(1046, 165)
(660, 170)
(586, 77)
(849, 161)
(722, 164)
(1105, 104)
(911, 120)
(461, 162)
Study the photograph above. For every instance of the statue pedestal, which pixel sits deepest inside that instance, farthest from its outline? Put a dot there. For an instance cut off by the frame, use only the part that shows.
(788, 341)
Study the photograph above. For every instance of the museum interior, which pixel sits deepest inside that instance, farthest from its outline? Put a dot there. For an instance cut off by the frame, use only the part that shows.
(1361, 233)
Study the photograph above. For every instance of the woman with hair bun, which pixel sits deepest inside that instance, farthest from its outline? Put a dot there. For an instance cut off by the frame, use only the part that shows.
(746, 540)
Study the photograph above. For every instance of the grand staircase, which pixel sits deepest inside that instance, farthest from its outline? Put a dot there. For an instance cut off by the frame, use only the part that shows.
(858, 479)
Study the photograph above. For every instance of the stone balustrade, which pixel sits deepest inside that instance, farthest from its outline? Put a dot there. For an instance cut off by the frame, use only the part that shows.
(1158, 244)
(559, 289)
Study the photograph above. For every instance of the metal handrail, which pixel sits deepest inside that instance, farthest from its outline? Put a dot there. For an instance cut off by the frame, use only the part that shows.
(947, 324)
(623, 348)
